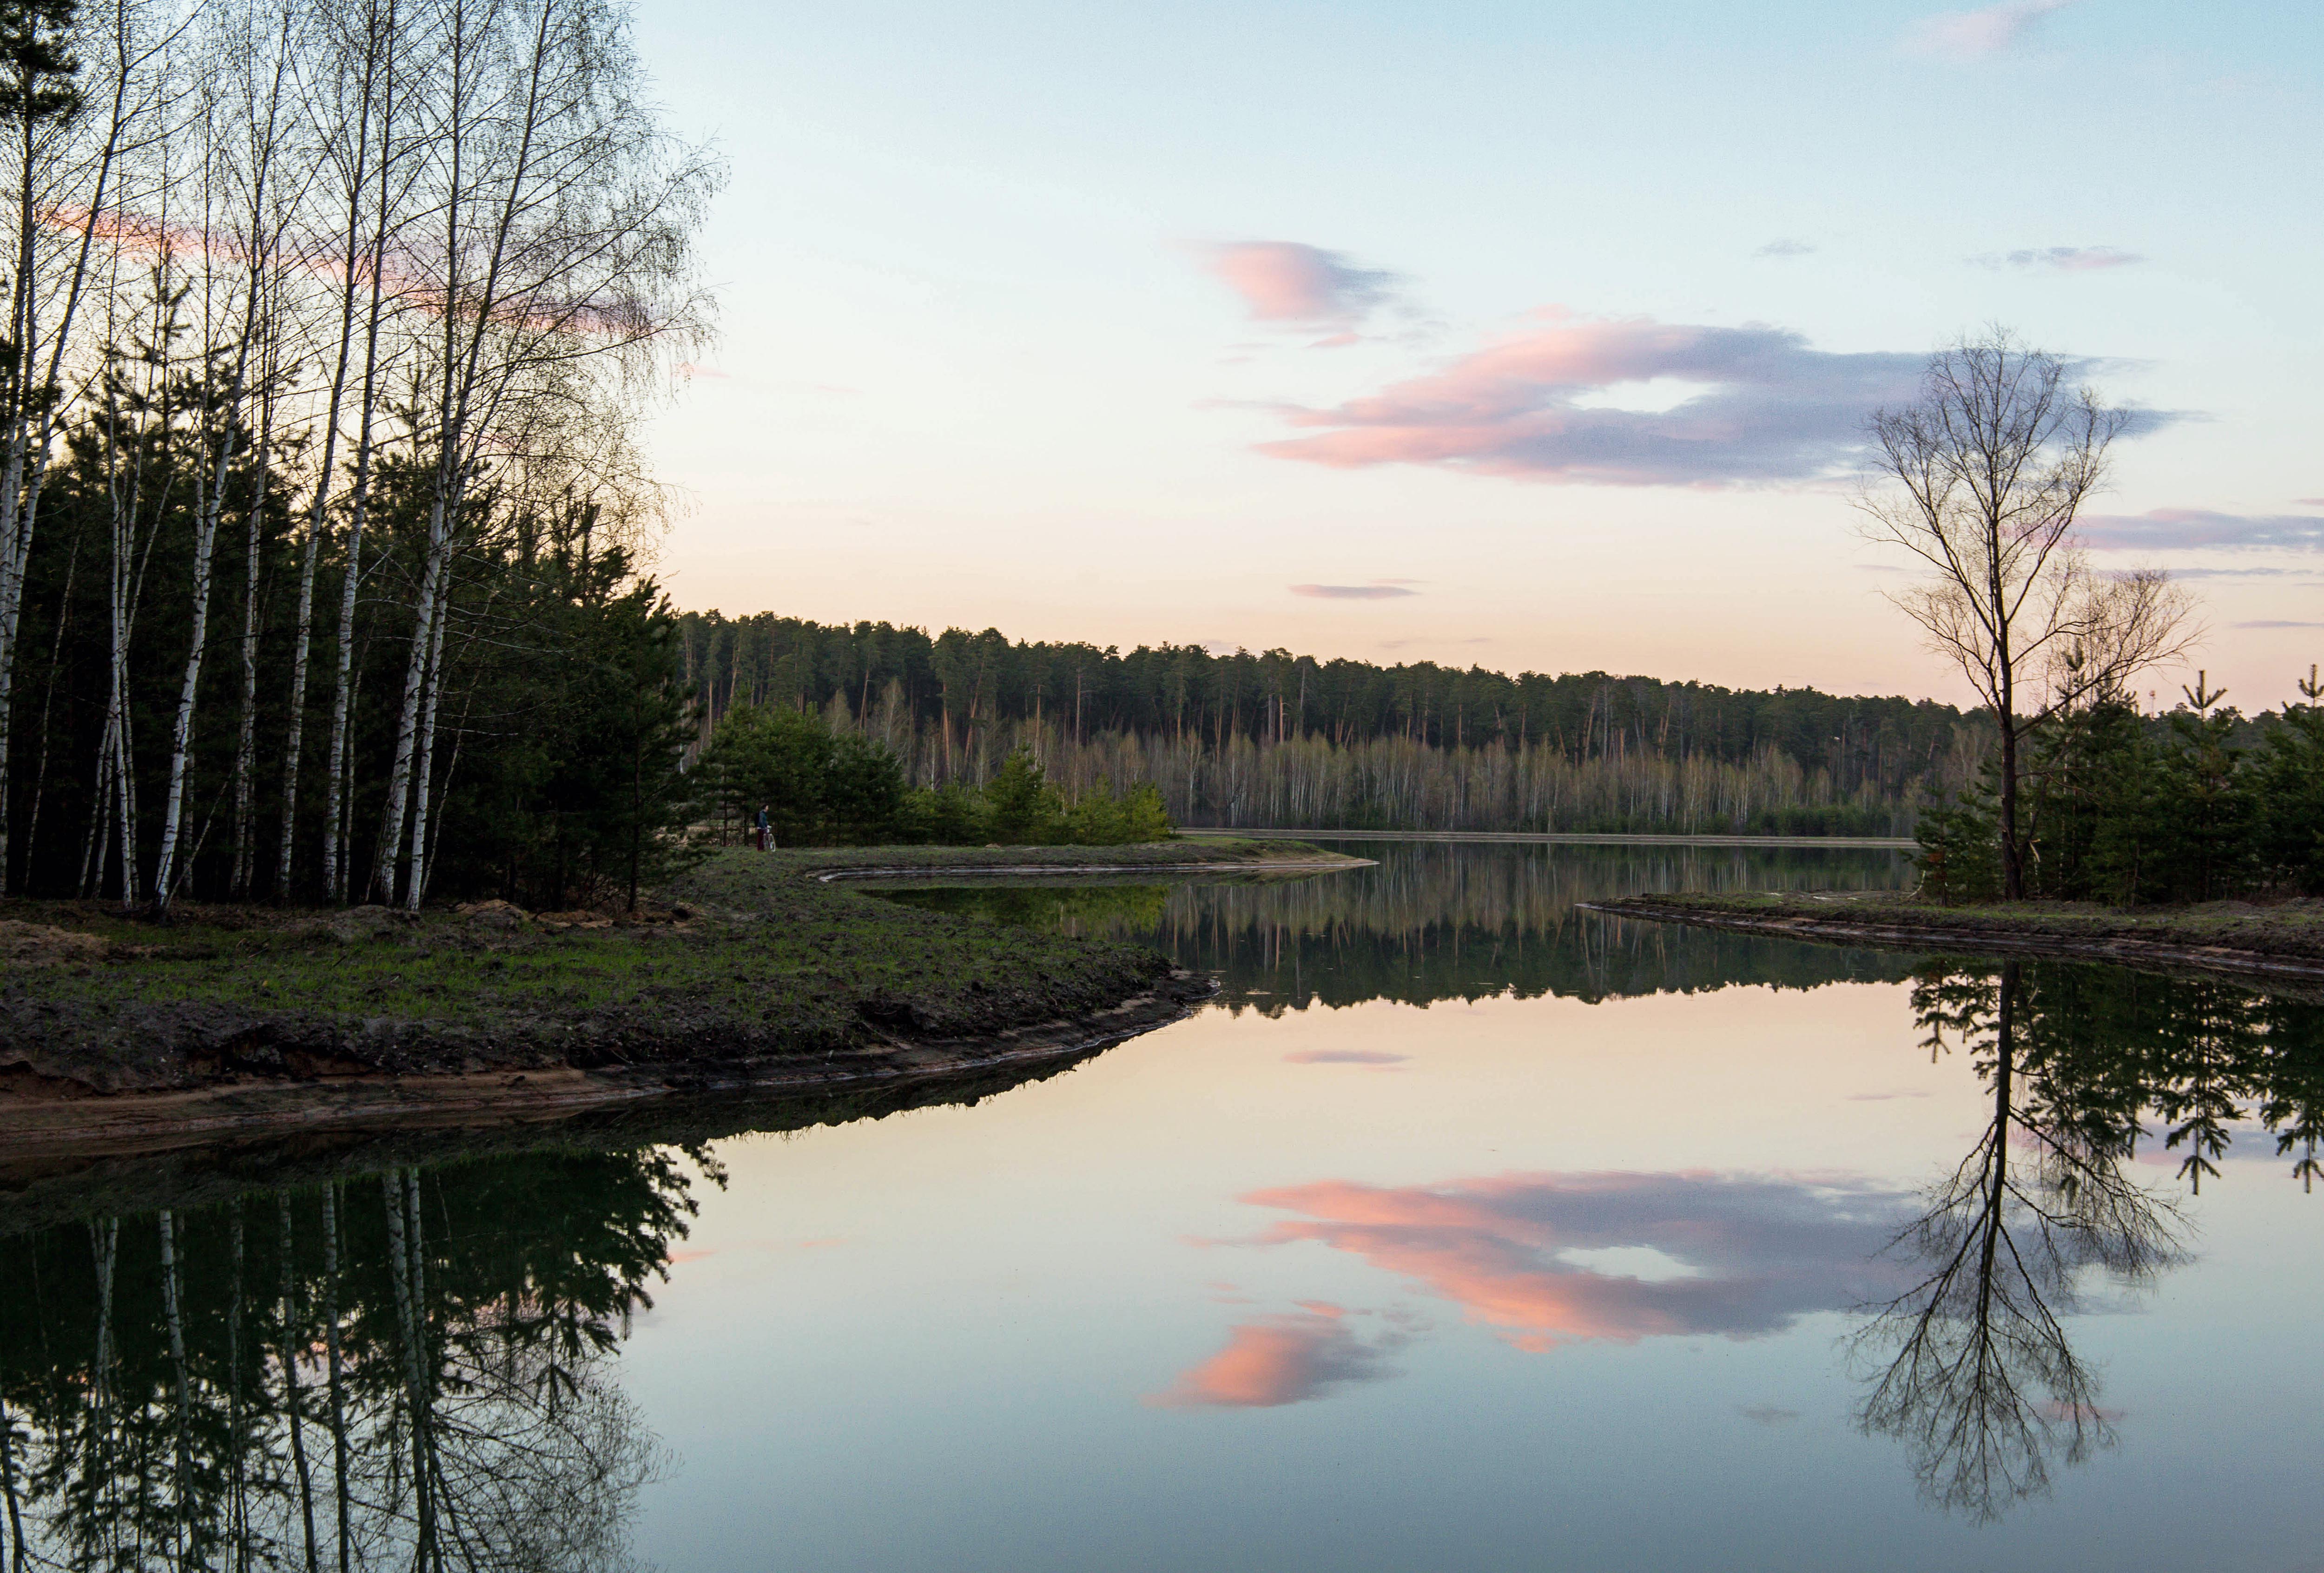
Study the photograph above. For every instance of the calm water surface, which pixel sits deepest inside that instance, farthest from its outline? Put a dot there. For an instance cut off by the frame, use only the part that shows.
(1465, 1231)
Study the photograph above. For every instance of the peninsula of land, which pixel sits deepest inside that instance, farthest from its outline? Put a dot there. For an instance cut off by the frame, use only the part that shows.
(2246, 939)
(748, 969)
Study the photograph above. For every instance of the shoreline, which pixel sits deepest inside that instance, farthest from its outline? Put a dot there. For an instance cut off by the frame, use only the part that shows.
(748, 973)
(43, 1131)
(1563, 838)
(2273, 946)
(1063, 871)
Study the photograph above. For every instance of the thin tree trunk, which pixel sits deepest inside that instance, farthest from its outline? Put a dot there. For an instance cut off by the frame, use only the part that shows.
(20, 493)
(246, 751)
(302, 645)
(416, 872)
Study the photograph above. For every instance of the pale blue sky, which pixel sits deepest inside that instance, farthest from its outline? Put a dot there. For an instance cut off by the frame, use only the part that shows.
(981, 365)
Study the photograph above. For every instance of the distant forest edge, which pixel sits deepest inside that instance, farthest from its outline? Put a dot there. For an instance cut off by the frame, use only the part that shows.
(1251, 740)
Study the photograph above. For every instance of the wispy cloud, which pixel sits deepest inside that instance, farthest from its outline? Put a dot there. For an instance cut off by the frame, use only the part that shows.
(1281, 1359)
(1290, 282)
(1377, 591)
(2275, 622)
(1633, 402)
(1982, 33)
(1768, 1414)
(2192, 528)
(1784, 248)
(1344, 1057)
(2063, 259)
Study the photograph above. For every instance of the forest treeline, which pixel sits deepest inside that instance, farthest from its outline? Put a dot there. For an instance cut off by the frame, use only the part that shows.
(331, 325)
(1271, 738)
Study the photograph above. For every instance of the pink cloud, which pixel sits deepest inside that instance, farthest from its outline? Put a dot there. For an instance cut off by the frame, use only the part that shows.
(1980, 34)
(1715, 406)
(1751, 1255)
(1285, 280)
(1278, 1360)
(1344, 1057)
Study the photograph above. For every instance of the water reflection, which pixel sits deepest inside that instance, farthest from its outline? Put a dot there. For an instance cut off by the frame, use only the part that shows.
(1974, 1370)
(410, 1355)
(410, 1368)
(1435, 922)
(1961, 1296)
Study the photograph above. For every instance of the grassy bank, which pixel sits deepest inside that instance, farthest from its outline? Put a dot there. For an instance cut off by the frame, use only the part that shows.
(2283, 938)
(748, 957)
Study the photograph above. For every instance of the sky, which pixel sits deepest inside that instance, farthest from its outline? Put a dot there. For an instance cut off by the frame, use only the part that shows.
(1534, 337)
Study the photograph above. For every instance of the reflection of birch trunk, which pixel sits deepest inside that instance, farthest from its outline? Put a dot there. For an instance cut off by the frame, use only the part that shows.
(335, 1373)
(401, 1264)
(238, 1437)
(173, 1316)
(105, 1243)
(8, 1486)
(293, 1407)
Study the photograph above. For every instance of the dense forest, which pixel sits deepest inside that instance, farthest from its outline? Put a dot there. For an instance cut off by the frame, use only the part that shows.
(331, 325)
(1271, 738)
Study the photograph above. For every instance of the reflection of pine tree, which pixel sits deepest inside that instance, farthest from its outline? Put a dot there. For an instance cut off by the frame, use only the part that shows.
(2207, 1052)
(2290, 1073)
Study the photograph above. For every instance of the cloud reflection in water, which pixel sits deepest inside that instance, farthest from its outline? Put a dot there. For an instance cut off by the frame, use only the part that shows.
(1756, 1252)
(1281, 1359)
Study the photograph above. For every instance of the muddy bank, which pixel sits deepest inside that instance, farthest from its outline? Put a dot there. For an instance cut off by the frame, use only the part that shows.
(752, 972)
(2283, 942)
(46, 1139)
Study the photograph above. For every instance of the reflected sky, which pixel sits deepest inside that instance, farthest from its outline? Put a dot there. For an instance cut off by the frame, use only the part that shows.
(1380, 1266)
(1580, 1271)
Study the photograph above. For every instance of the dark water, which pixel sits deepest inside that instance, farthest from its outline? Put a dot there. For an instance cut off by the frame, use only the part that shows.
(1467, 1231)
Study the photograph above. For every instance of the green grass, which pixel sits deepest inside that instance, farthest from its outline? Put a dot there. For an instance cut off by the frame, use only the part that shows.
(755, 957)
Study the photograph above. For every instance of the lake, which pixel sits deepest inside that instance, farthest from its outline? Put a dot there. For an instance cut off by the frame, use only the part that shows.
(1465, 1231)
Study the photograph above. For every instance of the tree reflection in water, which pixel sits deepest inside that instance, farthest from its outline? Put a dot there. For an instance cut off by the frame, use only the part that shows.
(1971, 1367)
(406, 1369)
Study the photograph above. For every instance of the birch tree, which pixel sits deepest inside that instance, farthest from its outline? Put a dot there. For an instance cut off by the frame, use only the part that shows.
(1983, 479)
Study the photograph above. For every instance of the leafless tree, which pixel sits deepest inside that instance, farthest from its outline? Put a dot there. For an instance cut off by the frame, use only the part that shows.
(1983, 478)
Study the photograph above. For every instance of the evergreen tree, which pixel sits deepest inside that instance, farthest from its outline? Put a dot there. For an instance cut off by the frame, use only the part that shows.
(2291, 790)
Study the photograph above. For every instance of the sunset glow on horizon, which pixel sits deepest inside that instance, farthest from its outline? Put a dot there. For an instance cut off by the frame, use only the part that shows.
(1564, 324)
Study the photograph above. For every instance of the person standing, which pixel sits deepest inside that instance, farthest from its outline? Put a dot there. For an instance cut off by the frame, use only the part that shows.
(766, 830)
